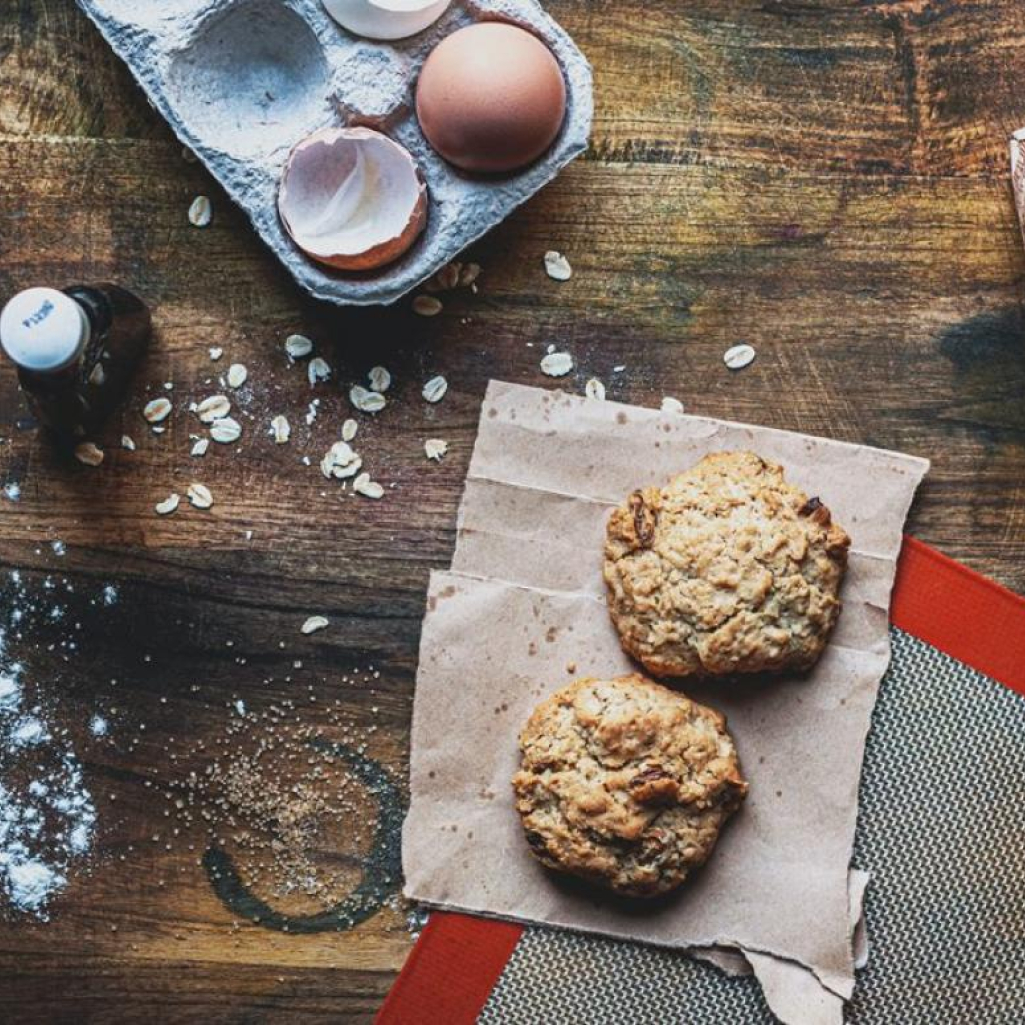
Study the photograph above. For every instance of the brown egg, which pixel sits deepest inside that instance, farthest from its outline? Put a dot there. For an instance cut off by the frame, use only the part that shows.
(491, 98)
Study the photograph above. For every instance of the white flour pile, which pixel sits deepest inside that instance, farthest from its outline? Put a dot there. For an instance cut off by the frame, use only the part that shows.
(47, 815)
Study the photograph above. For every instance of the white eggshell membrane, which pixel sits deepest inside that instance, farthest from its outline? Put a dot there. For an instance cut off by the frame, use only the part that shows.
(386, 19)
(352, 198)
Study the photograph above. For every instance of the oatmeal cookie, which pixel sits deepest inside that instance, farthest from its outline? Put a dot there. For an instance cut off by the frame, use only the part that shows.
(625, 783)
(727, 569)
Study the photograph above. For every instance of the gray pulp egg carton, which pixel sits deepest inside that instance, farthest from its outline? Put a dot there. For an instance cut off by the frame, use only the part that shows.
(242, 81)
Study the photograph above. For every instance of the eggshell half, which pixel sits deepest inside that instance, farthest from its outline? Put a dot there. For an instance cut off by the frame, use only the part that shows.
(352, 198)
(386, 19)
(491, 98)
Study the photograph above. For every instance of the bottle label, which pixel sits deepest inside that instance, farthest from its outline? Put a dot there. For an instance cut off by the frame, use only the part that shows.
(37, 318)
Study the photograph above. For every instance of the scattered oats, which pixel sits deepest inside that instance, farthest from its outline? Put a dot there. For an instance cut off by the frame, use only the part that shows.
(671, 405)
(168, 505)
(619, 369)
(188, 156)
(280, 429)
(237, 375)
(435, 448)
(435, 389)
(217, 407)
(427, 306)
(226, 430)
(594, 389)
(157, 410)
(127, 444)
(318, 370)
(89, 454)
(169, 386)
(340, 461)
(200, 446)
(380, 379)
(469, 274)
(201, 212)
(448, 276)
(557, 266)
(298, 346)
(313, 624)
(557, 364)
(98, 375)
(349, 429)
(366, 487)
(738, 357)
(199, 496)
(159, 429)
(216, 353)
(366, 401)
(311, 412)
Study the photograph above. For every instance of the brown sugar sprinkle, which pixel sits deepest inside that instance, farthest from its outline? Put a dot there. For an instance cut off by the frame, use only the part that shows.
(272, 792)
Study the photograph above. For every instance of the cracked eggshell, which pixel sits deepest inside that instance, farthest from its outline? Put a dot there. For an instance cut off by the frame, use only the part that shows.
(386, 19)
(352, 198)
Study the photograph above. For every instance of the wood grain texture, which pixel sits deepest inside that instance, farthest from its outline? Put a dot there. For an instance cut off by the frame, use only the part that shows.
(826, 180)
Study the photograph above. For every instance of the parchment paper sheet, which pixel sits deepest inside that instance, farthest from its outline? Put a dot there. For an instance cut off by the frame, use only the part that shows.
(524, 601)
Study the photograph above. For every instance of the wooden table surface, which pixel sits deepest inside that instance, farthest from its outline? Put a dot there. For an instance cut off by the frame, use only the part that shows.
(825, 179)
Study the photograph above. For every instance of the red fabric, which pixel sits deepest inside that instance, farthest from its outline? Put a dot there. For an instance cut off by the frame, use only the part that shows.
(451, 972)
(458, 959)
(960, 612)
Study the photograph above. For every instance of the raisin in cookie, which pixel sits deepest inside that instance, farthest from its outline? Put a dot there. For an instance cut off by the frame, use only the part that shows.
(625, 783)
(727, 569)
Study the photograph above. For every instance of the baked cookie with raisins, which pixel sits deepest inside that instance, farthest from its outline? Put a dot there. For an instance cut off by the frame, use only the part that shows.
(626, 783)
(726, 569)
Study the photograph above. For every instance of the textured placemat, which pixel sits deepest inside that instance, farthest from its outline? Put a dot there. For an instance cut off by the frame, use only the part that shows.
(940, 831)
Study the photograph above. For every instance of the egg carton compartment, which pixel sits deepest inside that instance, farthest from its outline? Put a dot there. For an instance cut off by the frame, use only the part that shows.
(241, 82)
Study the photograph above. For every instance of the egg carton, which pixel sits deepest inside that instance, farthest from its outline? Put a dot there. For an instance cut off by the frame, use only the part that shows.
(242, 81)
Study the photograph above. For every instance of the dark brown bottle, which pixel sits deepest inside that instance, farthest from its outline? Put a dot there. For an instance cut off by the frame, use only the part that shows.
(76, 351)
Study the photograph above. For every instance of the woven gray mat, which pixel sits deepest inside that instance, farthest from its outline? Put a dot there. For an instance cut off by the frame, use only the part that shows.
(941, 830)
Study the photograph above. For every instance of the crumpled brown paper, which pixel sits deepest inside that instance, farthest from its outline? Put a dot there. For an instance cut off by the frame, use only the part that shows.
(524, 602)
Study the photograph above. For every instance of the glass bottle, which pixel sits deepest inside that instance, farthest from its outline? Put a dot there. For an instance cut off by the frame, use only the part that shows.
(76, 351)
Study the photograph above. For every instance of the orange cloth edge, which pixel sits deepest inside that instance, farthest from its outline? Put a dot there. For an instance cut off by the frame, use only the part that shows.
(451, 971)
(960, 612)
(458, 959)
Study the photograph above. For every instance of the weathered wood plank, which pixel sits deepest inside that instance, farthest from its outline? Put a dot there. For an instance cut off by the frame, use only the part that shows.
(884, 309)
(825, 180)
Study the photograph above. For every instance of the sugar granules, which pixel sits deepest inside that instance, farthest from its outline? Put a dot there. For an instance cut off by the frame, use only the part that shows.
(296, 820)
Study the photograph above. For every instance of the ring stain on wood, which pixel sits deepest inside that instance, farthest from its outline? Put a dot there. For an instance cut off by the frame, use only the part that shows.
(382, 868)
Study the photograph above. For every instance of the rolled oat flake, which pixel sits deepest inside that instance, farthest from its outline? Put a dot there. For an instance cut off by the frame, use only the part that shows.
(739, 356)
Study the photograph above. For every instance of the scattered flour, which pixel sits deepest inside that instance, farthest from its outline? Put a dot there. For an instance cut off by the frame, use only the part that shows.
(10, 692)
(47, 814)
(28, 731)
